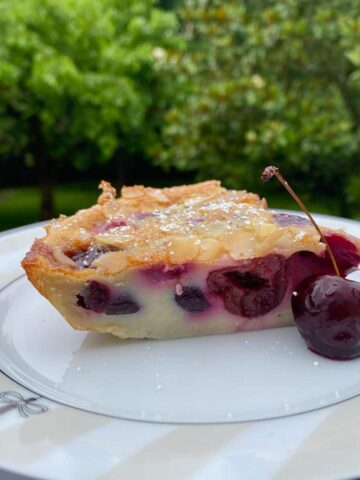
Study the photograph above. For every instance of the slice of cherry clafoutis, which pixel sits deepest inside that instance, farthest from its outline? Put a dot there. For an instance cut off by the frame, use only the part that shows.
(326, 308)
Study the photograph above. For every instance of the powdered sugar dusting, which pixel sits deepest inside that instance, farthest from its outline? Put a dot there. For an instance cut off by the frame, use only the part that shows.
(201, 222)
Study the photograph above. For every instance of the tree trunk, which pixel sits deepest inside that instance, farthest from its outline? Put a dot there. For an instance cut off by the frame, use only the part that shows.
(44, 171)
(121, 160)
(46, 187)
(344, 207)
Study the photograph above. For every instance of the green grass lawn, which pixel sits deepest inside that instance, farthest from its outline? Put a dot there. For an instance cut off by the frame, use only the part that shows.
(315, 205)
(20, 206)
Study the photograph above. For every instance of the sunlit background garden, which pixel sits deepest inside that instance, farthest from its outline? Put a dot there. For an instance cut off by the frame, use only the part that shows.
(170, 92)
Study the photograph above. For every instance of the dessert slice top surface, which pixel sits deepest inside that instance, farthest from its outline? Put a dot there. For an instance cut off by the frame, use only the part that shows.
(202, 223)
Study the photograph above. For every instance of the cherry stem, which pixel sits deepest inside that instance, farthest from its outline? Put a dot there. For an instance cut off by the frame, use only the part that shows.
(274, 171)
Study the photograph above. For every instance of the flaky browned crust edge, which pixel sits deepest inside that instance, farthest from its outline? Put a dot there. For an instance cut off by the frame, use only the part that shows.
(135, 198)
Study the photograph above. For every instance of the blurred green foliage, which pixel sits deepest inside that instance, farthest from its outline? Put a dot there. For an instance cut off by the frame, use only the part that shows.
(268, 81)
(217, 88)
(20, 205)
(76, 80)
(82, 68)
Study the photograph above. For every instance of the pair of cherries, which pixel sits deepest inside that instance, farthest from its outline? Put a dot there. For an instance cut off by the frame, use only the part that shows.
(326, 308)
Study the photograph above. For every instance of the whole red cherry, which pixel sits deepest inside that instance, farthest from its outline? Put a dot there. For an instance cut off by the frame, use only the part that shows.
(326, 310)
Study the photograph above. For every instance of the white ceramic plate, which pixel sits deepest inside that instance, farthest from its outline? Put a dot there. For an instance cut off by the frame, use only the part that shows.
(43, 438)
(247, 376)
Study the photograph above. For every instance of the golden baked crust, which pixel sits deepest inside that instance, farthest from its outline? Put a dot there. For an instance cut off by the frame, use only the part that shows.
(198, 223)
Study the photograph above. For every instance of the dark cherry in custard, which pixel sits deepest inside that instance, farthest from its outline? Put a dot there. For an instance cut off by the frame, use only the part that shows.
(100, 298)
